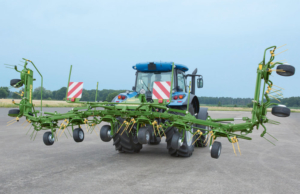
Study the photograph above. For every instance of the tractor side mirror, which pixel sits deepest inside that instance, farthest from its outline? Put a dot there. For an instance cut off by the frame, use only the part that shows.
(200, 82)
(133, 88)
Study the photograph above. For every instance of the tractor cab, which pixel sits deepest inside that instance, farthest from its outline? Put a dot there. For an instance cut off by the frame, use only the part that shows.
(149, 73)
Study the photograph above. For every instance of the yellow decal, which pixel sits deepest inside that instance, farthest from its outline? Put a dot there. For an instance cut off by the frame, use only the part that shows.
(28, 71)
(260, 66)
(30, 92)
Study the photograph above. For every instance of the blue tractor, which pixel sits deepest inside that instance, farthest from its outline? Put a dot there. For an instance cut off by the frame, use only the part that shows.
(146, 75)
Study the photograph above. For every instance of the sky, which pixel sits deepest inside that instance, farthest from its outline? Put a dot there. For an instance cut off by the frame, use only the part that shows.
(224, 39)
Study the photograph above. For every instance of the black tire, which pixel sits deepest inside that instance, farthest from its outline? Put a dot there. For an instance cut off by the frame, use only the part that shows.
(13, 112)
(154, 139)
(14, 83)
(187, 148)
(281, 111)
(144, 135)
(127, 142)
(216, 150)
(288, 70)
(48, 139)
(78, 135)
(105, 133)
(202, 141)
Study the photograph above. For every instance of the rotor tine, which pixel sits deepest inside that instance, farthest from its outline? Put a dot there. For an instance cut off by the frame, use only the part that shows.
(35, 135)
(28, 130)
(281, 52)
(281, 46)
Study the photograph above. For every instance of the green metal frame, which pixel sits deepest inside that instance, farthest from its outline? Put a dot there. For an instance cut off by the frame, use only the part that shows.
(140, 111)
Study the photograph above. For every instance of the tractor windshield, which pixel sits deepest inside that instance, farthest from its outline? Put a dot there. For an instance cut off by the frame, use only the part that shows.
(145, 80)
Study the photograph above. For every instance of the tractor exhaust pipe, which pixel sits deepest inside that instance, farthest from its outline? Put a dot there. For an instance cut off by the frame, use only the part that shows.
(194, 81)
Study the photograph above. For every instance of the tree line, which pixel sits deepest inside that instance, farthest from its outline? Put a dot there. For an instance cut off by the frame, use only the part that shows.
(108, 95)
(87, 95)
(245, 102)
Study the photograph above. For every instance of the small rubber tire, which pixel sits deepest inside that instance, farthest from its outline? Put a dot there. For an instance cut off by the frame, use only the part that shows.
(289, 70)
(216, 150)
(281, 111)
(48, 138)
(13, 82)
(13, 112)
(105, 133)
(154, 139)
(144, 135)
(78, 135)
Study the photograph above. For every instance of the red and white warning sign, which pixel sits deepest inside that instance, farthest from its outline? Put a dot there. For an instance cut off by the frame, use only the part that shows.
(161, 90)
(75, 89)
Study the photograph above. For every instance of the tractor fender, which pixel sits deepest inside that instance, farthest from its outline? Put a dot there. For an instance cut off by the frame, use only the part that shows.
(193, 100)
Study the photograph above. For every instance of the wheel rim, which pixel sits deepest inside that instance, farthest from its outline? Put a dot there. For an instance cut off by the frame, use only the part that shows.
(80, 134)
(50, 138)
(205, 136)
(180, 143)
(188, 136)
(219, 151)
(147, 136)
(108, 133)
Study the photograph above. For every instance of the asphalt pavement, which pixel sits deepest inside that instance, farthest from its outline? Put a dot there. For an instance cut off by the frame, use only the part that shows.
(94, 166)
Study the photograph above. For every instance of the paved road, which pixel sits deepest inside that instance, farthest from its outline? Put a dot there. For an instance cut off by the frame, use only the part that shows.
(95, 167)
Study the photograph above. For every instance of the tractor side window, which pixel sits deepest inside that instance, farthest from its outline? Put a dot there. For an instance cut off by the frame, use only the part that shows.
(181, 82)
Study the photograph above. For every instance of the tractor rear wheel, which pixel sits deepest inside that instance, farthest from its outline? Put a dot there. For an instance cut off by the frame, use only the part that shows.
(177, 147)
(126, 142)
(202, 141)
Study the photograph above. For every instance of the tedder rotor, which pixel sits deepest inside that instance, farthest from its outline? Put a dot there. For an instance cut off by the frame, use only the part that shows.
(160, 105)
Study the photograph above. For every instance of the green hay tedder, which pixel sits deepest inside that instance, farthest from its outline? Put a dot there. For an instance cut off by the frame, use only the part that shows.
(145, 115)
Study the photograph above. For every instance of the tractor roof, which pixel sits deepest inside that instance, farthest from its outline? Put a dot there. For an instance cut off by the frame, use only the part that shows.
(158, 66)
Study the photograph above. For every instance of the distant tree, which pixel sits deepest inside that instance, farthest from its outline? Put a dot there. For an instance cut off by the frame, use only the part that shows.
(3, 93)
(85, 95)
(235, 105)
(219, 103)
(111, 96)
(250, 105)
(37, 93)
(59, 94)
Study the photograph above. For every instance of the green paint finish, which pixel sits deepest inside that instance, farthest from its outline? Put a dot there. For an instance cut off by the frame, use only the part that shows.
(143, 112)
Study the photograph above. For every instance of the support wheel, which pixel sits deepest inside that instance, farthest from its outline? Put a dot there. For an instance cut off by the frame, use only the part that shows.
(144, 135)
(16, 83)
(216, 150)
(285, 70)
(78, 135)
(48, 138)
(13, 112)
(105, 133)
(127, 142)
(154, 140)
(281, 111)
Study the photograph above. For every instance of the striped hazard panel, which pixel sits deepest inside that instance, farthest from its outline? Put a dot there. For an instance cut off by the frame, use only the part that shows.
(161, 90)
(75, 90)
